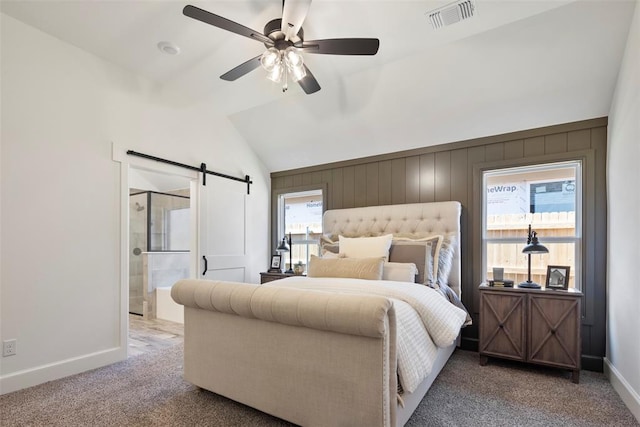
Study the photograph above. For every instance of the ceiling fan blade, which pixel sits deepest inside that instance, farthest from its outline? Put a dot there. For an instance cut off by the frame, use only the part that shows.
(224, 23)
(294, 13)
(309, 83)
(341, 46)
(242, 69)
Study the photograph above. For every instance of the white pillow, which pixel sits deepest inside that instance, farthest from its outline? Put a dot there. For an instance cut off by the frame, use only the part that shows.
(365, 247)
(399, 271)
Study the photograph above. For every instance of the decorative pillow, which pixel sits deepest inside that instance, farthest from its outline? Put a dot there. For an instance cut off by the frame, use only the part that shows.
(333, 247)
(330, 255)
(399, 271)
(324, 239)
(445, 259)
(422, 253)
(365, 247)
(354, 268)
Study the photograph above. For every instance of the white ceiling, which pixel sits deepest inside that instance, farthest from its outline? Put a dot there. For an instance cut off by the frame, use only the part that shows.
(517, 65)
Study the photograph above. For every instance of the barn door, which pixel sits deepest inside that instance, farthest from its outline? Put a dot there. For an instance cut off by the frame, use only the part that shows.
(222, 237)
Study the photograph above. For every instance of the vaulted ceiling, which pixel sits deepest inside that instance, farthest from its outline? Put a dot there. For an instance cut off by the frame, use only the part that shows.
(516, 65)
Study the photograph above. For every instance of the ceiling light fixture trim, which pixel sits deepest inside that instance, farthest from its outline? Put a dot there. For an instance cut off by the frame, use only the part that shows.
(168, 48)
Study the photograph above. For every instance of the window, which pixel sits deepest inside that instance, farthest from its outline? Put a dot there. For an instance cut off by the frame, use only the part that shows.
(300, 214)
(549, 197)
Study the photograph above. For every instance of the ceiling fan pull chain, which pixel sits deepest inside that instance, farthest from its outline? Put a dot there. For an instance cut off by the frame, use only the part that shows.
(285, 86)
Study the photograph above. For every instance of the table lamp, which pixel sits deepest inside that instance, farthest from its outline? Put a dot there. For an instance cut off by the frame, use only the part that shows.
(285, 246)
(533, 247)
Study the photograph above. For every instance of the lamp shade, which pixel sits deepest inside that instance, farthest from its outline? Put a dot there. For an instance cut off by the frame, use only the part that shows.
(270, 58)
(293, 57)
(275, 74)
(535, 247)
(284, 246)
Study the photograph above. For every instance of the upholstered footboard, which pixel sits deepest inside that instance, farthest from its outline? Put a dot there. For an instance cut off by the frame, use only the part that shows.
(312, 358)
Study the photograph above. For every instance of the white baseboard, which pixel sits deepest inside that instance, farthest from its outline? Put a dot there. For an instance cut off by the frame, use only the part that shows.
(628, 395)
(53, 371)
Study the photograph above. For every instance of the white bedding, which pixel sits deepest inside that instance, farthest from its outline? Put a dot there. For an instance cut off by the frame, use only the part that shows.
(426, 320)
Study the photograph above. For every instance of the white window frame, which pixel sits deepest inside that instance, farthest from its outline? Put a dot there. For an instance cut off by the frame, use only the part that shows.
(576, 239)
(280, 221)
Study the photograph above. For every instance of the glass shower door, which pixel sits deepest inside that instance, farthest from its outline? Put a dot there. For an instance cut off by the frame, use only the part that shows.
(138, 212)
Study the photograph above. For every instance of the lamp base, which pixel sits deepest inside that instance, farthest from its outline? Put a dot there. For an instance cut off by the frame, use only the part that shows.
(527, 284)
(289, 271)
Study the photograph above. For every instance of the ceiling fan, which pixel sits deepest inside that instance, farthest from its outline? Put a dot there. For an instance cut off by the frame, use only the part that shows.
(284, 40)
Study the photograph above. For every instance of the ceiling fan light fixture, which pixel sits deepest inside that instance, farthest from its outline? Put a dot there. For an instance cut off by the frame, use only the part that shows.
(277, 63)
(275, 74)
(295, 63)
(270, 58)
(292, 57)
(285, 35)
(298, 73)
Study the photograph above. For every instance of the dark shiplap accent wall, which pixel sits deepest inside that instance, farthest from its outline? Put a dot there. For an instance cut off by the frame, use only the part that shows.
(453, 172)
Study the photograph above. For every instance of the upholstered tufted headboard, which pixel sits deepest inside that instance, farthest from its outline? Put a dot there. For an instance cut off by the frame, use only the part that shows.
(415, 218)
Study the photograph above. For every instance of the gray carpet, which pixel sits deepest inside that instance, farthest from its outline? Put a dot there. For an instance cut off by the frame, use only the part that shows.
(148, 390)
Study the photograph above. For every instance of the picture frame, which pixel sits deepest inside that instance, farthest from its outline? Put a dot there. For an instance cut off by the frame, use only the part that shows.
(558, 277)
(276, 263)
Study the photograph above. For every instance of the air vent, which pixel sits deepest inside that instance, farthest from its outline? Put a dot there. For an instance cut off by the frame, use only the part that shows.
(451, 13)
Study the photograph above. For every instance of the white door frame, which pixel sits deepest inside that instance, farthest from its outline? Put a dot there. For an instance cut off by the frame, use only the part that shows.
(119, 154)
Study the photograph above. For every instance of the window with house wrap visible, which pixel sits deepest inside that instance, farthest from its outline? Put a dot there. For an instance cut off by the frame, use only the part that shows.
(300, 213)
(549, 198)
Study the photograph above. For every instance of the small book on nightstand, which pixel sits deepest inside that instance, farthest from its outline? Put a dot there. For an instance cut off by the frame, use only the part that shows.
(501, 283)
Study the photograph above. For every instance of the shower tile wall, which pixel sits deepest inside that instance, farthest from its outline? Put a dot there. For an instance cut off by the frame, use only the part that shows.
(164, 208)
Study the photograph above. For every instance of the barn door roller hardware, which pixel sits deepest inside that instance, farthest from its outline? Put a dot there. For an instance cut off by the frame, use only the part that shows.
(202, 168)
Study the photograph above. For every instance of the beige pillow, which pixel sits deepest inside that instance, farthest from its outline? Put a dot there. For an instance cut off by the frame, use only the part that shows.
(365, 247)
(353, 268)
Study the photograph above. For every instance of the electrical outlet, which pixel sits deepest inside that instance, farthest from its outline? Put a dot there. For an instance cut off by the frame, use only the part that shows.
(9, 348)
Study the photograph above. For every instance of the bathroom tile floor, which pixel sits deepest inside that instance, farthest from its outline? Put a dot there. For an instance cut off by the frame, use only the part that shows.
(148, 335)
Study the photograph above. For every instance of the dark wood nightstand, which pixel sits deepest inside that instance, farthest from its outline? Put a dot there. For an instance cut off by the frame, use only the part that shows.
(540, 326)
(269, 277)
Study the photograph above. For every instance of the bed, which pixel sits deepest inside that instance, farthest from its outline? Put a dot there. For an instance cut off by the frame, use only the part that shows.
(317, 356)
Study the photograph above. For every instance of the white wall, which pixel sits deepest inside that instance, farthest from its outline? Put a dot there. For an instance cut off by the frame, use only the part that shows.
(60, 220)
(623, 334)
